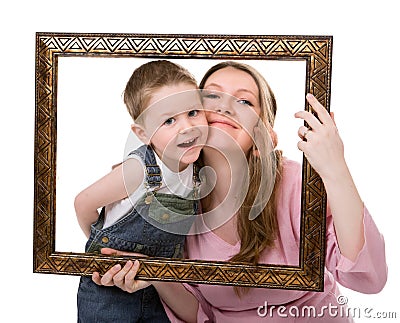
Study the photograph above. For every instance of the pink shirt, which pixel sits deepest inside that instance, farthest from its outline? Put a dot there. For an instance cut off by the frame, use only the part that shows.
(367, 274)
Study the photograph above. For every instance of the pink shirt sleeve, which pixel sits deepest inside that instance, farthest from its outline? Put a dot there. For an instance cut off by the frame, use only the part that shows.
(368, 273)
(204, 312)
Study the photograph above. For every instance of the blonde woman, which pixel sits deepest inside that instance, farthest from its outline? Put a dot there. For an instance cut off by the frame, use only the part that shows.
(355, 249)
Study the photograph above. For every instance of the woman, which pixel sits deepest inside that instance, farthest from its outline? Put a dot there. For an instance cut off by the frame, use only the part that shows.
(355, 249)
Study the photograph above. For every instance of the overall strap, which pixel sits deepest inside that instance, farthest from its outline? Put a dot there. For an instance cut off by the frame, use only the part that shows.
(196, 176)
(196, 181)
(153, 171)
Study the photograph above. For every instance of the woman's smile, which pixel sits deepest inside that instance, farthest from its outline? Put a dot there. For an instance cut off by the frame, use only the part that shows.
(221, 122)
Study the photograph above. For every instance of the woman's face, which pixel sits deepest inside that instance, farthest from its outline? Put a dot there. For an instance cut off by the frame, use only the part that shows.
(231, 101)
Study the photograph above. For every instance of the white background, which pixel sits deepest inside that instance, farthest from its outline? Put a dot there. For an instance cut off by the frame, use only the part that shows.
(365, 88)
(93, 125)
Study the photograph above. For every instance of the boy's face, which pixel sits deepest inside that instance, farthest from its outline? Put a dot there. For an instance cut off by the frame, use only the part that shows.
(176, 125)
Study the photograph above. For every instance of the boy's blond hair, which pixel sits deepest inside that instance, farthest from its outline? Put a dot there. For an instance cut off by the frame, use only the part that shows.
(150, 77)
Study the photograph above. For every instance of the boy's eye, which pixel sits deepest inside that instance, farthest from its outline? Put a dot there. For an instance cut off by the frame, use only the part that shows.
(193, 113)
(246, 102)
(169, 121)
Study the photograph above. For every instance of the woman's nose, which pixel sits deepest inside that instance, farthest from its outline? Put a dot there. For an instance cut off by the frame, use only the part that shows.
(224, 110)
(225, 105)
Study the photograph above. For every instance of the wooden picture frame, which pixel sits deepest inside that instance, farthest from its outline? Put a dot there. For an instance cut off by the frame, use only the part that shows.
(315, 51)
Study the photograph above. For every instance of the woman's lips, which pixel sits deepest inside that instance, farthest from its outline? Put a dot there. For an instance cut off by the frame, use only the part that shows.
(222, 123)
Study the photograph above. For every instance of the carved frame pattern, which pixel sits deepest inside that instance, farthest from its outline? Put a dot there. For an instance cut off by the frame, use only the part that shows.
(316, 50)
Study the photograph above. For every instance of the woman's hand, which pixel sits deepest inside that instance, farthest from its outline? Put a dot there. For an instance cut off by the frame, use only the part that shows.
(321, 142)
(122, 277)
(323, 148)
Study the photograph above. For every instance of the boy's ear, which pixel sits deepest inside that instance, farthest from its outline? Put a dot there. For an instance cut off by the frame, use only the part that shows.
(139, 131)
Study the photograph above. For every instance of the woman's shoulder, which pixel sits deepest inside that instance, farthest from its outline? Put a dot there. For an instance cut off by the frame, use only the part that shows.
(290, 167)
(291, 178)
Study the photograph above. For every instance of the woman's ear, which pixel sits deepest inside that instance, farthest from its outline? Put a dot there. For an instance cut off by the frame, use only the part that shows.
(274, 136)
(139, 131)
(259, 140)
(255, 151)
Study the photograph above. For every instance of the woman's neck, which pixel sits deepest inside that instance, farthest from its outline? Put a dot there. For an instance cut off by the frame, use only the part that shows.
(222, 173)
(231, 180)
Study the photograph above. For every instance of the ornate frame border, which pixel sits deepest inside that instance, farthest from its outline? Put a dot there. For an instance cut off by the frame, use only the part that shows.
(316, 50)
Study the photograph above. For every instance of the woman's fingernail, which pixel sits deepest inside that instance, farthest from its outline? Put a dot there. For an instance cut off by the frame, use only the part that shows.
(309, 96)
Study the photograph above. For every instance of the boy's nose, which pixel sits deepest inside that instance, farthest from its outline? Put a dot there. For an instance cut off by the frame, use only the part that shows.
(186, 125)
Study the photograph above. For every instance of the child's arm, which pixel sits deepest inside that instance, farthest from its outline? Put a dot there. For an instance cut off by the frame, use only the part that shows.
(116, 185)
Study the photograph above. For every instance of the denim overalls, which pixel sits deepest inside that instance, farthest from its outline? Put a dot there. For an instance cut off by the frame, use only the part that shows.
(145, 229)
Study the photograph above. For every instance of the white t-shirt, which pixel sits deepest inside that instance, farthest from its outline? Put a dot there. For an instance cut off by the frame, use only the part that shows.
(180, 184)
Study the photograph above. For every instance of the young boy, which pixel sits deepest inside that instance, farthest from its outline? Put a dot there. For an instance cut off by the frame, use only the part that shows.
(149, 201)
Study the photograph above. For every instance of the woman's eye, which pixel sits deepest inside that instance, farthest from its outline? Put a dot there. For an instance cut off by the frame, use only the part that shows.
(169, 121)
(193, 113)
(210, 96)
(246, 102)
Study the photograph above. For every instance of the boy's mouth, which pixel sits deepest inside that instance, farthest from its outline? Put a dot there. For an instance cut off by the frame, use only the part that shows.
(188, 143)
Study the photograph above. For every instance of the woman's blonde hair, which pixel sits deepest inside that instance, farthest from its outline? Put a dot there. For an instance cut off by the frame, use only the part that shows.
(259, 233)
(149, 77)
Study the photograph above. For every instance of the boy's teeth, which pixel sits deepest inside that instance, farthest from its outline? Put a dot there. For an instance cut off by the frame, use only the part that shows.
(187, 143)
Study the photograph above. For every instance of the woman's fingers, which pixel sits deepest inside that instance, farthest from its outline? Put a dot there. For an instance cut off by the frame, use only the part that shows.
(96, 278)
(322, 113)
(321, 143)
(110, 251)
(119, 278)
(304, 133)
(125, 278)
(332, 114)
(308, 117)
(114, 252)
(131, 273)
(107, 278)
(131, 284)
(122, 277)
(324, 117)
(323, 125)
